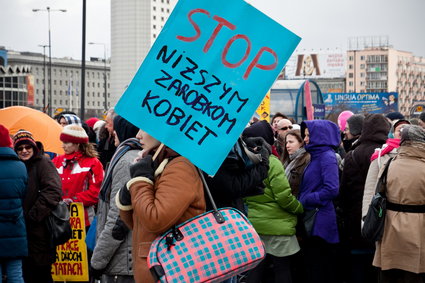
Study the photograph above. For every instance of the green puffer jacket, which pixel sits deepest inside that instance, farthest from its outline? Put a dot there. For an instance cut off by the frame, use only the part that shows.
(274, 212)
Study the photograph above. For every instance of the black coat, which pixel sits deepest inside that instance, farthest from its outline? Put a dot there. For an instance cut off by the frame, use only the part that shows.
(356, 165)
(43, 194)
(234, 181)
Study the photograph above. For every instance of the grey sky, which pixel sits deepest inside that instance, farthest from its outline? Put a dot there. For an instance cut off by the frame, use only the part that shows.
(321, 24)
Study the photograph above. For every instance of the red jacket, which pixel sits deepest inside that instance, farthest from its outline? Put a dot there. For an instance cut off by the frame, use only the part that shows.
(81, 180)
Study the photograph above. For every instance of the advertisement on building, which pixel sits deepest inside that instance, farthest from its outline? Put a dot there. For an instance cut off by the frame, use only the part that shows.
(30, 90)
(316, 65)
(372, 102)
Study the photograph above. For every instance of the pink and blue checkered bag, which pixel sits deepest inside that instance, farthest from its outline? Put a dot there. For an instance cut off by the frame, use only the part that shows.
(210, 247)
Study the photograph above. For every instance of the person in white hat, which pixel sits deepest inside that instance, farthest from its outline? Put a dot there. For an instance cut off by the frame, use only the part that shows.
(80, 170)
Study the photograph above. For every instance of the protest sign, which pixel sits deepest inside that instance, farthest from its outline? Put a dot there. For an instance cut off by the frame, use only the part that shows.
(71, 258)
(263, 110)
(205, 76)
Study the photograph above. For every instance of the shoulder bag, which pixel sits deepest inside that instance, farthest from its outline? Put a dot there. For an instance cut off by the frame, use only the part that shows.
(58, 224)
(210, 247)
(374, 221)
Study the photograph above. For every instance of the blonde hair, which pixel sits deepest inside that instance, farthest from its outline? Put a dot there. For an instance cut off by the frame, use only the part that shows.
(88, 149)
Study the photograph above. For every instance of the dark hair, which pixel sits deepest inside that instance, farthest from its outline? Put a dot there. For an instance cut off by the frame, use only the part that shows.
(422, 116)
(284, 158)
(278, 114)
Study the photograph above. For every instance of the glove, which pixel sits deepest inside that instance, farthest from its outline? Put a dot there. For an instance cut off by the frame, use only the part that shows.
(124, 195)
(96, 273)
(259, 145)
(67, 200)
(143, 168)
(120, 230)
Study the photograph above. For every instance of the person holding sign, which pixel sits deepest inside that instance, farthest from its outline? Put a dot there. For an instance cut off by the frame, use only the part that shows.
(80, 170)
(162, 193)
(43, 195)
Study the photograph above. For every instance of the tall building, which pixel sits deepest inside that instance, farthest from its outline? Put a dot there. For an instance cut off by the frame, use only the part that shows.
(383, 69)
(135, 24)
(24, 81)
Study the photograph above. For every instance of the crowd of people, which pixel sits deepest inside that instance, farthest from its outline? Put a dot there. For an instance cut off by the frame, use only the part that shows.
(305, 188)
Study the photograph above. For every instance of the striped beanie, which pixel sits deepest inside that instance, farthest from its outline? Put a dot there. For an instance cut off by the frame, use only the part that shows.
(74, 134)
(72, 119)
(23, 137)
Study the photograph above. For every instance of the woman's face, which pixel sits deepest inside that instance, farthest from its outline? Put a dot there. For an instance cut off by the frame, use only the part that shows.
(275, 121)
(116, 140)
(25, 152)
(63, 122)
(292, 144)
(69, 147)
(148, 142)
(397, 131)
(307, 136)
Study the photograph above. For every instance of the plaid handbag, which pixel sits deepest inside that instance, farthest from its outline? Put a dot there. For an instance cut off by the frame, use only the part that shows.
(210, 247)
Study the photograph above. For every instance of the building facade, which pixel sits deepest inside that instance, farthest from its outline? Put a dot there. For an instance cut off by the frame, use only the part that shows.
(135, 24)
(384, 69)
(27, 73)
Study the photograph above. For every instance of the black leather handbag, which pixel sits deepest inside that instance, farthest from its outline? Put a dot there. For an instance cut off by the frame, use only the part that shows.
(374, 220)
(58, 224)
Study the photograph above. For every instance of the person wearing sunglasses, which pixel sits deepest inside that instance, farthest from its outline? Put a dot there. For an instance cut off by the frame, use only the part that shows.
(282, 127)
(44, 192)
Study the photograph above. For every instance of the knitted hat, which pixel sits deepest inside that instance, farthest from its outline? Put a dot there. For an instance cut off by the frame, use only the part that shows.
(412, 133)
(24, 137)
(355, 123)
(74, 134)
(124, 129)
(342, 119)
(5, 140)
(394, 116)
(98, 125)
(260, 129)
(72, 119)
(91, 121)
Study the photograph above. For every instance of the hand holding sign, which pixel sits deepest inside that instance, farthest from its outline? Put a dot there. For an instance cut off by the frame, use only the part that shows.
(205, 76)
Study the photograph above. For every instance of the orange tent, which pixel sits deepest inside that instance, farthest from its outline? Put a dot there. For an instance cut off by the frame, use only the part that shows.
(44, 128)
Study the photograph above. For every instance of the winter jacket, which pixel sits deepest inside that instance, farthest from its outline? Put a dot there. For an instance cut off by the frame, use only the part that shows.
(13, 187)
(81, 179)
(403, 242)
(235, 180)
(376, 169)
(356, 165)
(319, 186)
(111, 255)
(175, 196)
(274, 212)
(43, 194)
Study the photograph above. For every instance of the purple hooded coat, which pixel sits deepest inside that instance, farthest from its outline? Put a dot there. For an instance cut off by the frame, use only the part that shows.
(320, 181)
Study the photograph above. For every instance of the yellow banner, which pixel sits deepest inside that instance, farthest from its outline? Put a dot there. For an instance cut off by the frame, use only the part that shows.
(71, 258)
(264, 109)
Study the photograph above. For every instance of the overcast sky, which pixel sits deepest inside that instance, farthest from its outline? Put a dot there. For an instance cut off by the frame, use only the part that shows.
(322, 24)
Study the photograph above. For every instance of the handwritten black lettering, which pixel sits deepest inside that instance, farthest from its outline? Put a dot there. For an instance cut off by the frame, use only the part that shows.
(208, 86)
(190, 70)
(166, 78)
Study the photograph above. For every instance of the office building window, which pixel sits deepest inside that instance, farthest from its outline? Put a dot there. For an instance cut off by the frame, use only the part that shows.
(362, 66)
(350, 67)
(361, 57)
(350, 75)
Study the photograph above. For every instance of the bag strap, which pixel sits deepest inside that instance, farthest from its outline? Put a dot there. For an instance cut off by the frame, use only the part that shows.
(381, 187)
(218, 216)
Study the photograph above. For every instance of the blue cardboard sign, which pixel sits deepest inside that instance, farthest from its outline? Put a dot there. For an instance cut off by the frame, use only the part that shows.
(205, 76)
(319, 110)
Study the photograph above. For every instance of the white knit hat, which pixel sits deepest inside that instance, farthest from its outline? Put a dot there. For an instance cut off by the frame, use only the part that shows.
(74, 134)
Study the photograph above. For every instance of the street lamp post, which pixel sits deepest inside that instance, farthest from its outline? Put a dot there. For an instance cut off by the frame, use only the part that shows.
(44, 76)
(104, 72)
(48, 10)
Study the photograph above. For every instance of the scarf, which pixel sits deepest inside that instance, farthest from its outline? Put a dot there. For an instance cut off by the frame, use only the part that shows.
(125, 146)
(389, 145)
(71, 159)
(292, 161)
